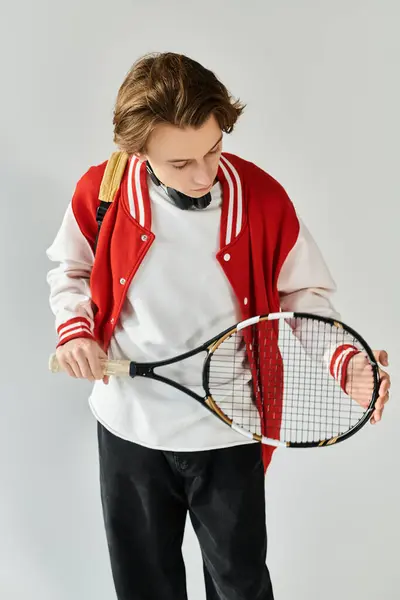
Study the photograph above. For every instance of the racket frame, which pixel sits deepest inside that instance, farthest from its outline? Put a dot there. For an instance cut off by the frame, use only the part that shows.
(140, 369)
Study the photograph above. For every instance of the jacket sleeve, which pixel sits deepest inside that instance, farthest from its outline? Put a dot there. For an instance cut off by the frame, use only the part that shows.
(306, 285)
(72, 249)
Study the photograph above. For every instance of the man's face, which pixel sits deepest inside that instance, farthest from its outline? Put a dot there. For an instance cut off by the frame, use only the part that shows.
(186, 159)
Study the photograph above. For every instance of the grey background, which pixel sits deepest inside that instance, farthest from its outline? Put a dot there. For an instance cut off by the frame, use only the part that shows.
(321, 82)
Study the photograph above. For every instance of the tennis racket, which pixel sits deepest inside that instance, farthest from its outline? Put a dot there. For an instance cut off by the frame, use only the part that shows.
(283, 379)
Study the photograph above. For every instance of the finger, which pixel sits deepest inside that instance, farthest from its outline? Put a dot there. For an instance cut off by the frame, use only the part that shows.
(68, 370)
(385, 377)
(96, 364)
(83, 363)
(376, 416)
(64, 365)
(72, 366)
(106, 379)
(381, 401)
(96, 359)
(384, 386)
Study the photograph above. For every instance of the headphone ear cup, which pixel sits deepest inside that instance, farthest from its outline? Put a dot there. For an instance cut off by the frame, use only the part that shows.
(181, 200)
(203, 201)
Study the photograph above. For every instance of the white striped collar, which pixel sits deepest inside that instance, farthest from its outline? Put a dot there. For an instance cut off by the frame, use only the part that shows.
(232, 218)
(232, 214)
(138, 195)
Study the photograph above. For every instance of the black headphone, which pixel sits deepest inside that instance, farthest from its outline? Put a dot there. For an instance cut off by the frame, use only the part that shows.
(180, 200)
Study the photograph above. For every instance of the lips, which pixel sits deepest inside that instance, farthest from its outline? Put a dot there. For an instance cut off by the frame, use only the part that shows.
(203, 189)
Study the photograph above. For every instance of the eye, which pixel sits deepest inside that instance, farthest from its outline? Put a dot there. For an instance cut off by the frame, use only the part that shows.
(180, 167)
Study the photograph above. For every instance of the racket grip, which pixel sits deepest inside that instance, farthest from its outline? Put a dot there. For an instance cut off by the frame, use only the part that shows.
(117, 368)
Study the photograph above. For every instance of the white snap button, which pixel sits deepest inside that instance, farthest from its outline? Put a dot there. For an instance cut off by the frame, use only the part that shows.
(112, 320)
(122, 281)
(227, 257)
(245, 301)
(144, 238)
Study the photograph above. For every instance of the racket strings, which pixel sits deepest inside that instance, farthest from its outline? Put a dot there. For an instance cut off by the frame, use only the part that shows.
(281, 379)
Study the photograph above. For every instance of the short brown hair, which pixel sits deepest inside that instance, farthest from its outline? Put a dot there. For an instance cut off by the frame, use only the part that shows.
(169, 88)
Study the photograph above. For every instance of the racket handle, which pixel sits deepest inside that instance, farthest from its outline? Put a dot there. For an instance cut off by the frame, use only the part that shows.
(117, 368)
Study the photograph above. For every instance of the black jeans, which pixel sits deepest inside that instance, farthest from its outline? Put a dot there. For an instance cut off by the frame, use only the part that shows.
(146, 495)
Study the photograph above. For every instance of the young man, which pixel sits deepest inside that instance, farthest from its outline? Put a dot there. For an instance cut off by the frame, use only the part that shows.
(195, 240)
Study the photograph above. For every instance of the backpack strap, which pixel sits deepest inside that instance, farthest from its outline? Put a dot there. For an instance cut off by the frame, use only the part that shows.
(109, 186)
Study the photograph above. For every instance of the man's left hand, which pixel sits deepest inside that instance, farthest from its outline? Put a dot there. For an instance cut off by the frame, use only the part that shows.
(381, 356)
(359, 383)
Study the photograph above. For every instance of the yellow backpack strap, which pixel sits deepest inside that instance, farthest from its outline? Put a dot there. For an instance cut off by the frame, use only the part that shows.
(109, 186)
(112, 176)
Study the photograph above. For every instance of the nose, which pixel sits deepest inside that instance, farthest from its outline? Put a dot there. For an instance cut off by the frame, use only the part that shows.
(203, 177)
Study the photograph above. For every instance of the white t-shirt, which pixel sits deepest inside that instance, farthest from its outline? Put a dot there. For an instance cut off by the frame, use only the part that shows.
(178, 299)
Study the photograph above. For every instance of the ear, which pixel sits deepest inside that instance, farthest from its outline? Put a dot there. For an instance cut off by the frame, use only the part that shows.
(142, 155)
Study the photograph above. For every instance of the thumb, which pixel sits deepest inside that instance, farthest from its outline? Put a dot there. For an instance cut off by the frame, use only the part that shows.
(381, 356)
(104, 356)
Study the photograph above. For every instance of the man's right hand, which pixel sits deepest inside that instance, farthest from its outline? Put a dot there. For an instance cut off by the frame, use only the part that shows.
(82, 358)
